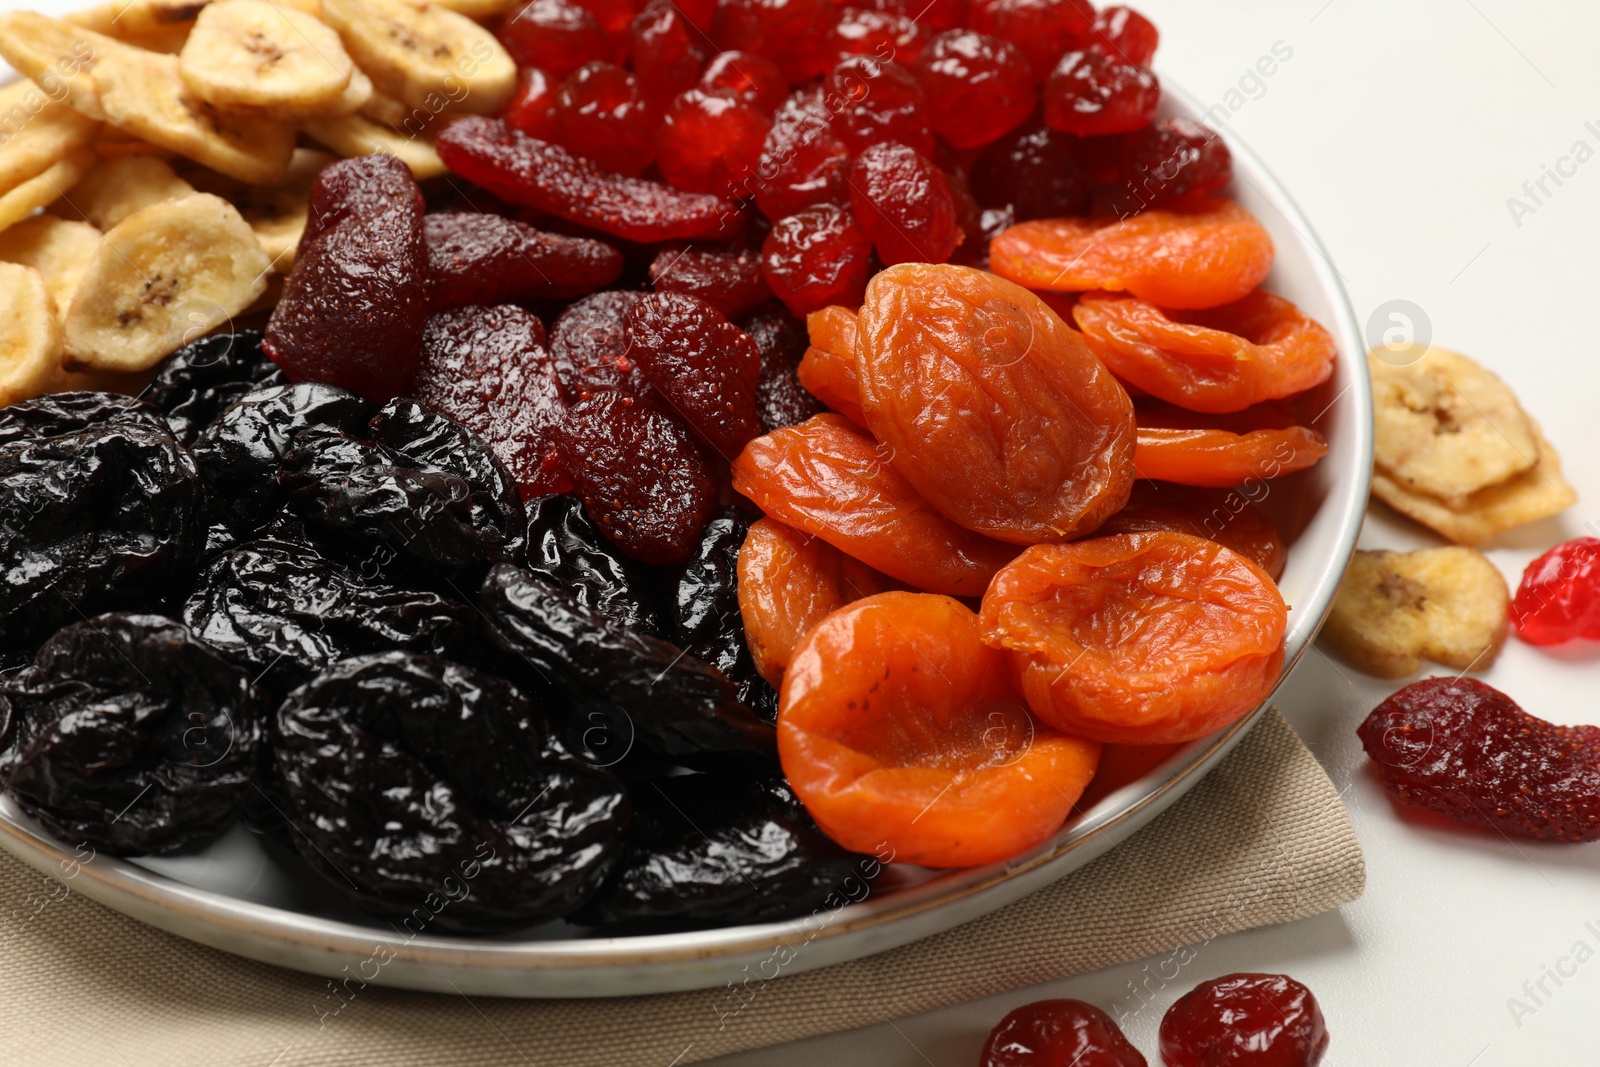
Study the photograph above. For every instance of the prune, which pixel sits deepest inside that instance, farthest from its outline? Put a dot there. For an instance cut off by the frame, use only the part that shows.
(864, 32)
(604, 116)
(817, 257)
(640, 473)
(1168, 161)
(285, 613)
(666, 55)
(1558, 599)
(704, 366)
(780, 398)
(904, 204)
(1058, 1033)
(1465, 750)
(1125, 34)
(756, 79)
(1036, 172)
(625, 685)
(533, 109)
(707, 623)
(873, 102)
(1043, 29)
(198, 381)
(485, 259)
(566, 549)
(557, 36)
(707, 850)
(711, 142)
(729, 279)
(129, 734)
(791, 32)
(430, 790)
(354, 304)
(802, 162)
(487, 369)
(978, 86)
(1245, 1020)
(104, 517)
(58, 413)
(1089, 94)
(589, 344)
(524, 170)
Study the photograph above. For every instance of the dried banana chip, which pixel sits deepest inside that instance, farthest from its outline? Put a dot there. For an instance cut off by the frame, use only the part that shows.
(168, 40)
(30, 334)
(478, 9)
(36, 133)
(278, 213)
(143, 93)
(58, 249)
(23, 199)
(58, 57)
(403, 119)
(1528, 497)
(1396, 609)
(164, 276)
(424, 55)
(251, 53)
(352, 135)
(1446, 427)
(118, 187)
(122, 18)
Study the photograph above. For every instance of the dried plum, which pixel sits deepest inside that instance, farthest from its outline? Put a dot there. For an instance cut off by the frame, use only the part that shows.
(780, 398)
(567, 549)
(485, 259)
(706, 621)
(589, 343)
(59, 413)
(129, 734)
(203, 378)
(439, 795)
(703, 366)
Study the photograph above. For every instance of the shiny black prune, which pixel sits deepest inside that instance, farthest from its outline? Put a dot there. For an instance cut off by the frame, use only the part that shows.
(102, 518)
(440, 796)
(129, 734)
(619, 686)
(567, 548)
(59, 413)
(705, 849)
(706, 620)
(284, 613)
(200, 380)
(780, 398)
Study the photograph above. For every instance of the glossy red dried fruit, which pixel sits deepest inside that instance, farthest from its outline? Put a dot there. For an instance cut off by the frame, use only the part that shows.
(1044, 29)
(533, 109)
(1167, 161)
(486, 259)
(704, 366)
(524, 170)
(729, 279)
(667, 51)
(1088, 93)
(756, 79)
(711, 142)
(1245, 1020)
(1036, 172)
(613, 15)
(1124, 34)
(486, 368)
(1058, 1033)
(1465, 750)
(817, 257)
(802, 163)
(780, 398)
(904, 204)
(355, 303)
(603, 116)
(641, 475)
(557, 36)
(864, 32)
(873, 102)
(1559, 598)
(789, 32)
(978, 86)
(935, 15)
(589, 344)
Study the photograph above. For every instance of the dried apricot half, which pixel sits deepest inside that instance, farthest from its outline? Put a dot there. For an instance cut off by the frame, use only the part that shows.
(828, 367)
(1208, 253)
(828, 478)
(904, 734)
(1217, 360)
(788, 582)
(1222, 458)
(1142, 639)
(1225, 516)
(995, 409)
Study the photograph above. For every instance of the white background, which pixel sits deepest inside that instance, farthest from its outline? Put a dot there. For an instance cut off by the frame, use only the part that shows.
(1402, 127)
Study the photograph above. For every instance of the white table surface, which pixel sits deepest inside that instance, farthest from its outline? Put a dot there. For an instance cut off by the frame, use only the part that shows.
(1402, 127)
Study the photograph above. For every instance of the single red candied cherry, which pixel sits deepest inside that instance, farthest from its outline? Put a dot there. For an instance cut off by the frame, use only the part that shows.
(792, 33)
(1043, 29)
(557, 36)
(1124, 34)
(904, 203)
(666, 56)
(604, 117)
(711, 142)
(1245, 1020)
(978, 86)
(802, 162)
(613, 15)
(816, 257)
(533, 109)
(873, 102)
(1058, 1033)
(863, 32)
(755, 78)
(1167, 161)
(1088, 93)
(1559, 598)
(935, 15)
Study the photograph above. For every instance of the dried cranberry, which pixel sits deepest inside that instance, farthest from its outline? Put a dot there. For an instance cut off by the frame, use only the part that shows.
(1058, 1033)
(486, 259)
(789, 32)
(667, 53)
(756, 79)
(802, 163)
(1559, 598)
(978, 86)
(1465, 750)
(817, 257)
(936, 15)
(1245, 1020)
(603, 116)
(711, 142)
(1167, 161)
(1088, 93)
(557, 36)
(1043, 29)
(729, 279)
(704, 366)
(780, 398)
(1037, 172)
(1124, 34)
(883, 34)
(873, 102)
(904, 203)
(589, 343)
(533, 109)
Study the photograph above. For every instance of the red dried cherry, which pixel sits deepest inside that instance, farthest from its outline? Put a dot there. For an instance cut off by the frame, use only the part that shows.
(711, 142)
(1125, 35)
(729, 279)
(1167, 161)
(1058, 1033)
(817, 257)
(978, 86)
(613, 15)
(789, 32)
(533, 109)
(883, 34)
(666, 52)
(936, 15)
(605, 118)
(1559, 598)
(802, 163)
(1043, 29)
(1037, 172)
(1088, 93)
(873, 102)
(557, 36)
(756, 79)
(1465, 750)
(1245, 1020)
(704, 366)
(904, 203)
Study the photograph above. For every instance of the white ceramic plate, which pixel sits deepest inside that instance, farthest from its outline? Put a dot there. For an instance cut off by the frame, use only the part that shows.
(250, 897)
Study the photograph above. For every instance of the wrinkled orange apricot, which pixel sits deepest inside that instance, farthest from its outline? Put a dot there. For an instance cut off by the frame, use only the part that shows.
(904, 734)
(1221, 458)
(1201, 255)
(828, 478)
(1225, 516)
(828, 367)
(1217, 360)
(1148, 638)
(992, 406)
(788, 582)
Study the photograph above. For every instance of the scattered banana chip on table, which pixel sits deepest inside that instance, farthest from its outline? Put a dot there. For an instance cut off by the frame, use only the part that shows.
(30, 334)
(118, 187)
(251, 53)
(59, 249)
(1395, 609)
(22, 200)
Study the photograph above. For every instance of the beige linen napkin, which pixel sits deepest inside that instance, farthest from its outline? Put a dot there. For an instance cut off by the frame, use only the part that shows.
(1262, 840)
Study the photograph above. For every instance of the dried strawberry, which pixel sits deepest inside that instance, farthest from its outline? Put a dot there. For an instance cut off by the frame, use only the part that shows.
(667, 53)
(1089, 94)
(1043, 29)
(904, 203)
(704, 366)
(756, 79)
(729, 279)
(817, 257)
(978, 86)
(873, 102)
(888, 36)
(557, 36)
(780, 398)
(533, 109)
(790, 32)
(1245, 1020)
(1124, 34)
(589, 344)
(711, 142)
(528, 171)
(1036, 172)
(802, 163)
(486, 259)
(1465, 750)
(603, 116)
(355, 303)
(1559, 597)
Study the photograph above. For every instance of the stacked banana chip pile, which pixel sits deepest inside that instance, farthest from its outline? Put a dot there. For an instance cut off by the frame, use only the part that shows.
(156, 161)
